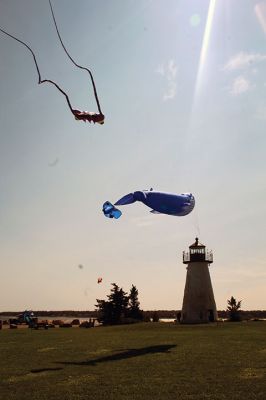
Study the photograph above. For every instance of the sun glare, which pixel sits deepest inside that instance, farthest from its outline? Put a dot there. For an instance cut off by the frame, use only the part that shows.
(260, 11)
(201, 66)
(204, 48)
(194, 20)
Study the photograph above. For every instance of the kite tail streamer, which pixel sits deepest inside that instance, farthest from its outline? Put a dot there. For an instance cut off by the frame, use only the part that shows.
(40, 80)
(74, 62)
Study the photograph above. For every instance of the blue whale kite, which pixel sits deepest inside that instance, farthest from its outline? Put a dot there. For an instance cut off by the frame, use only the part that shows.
(160, 203)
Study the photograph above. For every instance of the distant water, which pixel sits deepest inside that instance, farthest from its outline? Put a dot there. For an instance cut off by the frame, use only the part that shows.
(167, 319)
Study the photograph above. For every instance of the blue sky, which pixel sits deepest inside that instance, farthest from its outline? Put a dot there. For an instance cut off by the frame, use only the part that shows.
(185, 110)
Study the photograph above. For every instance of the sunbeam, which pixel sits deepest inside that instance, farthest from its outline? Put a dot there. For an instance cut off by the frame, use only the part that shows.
(204, 48)
(260, 11)
(200, 74)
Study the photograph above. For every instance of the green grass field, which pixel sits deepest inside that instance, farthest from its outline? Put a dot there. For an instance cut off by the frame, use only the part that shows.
(143, 361)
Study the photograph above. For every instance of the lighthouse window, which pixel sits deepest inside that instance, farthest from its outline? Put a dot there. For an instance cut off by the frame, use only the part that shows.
(197, 251)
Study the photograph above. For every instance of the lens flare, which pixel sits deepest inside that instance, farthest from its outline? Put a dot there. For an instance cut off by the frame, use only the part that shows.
(193, 122)
(205, 45)
(260, 11)
(194, 20)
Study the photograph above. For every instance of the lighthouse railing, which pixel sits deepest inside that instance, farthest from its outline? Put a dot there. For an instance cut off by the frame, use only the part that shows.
(186, 256)
(207, 256)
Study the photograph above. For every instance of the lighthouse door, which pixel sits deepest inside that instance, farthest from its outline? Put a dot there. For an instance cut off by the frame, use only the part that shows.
(211, 316)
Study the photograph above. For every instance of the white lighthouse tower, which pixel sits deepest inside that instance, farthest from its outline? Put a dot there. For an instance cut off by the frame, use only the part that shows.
(198, 303)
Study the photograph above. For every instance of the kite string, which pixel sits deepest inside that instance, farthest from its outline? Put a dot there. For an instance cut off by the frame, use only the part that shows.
(196, 222)
(40, 80)
(74, 62)
(20, 41)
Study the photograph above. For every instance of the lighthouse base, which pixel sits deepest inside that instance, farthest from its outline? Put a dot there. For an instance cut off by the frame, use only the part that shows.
(198, 304)
(199, 317)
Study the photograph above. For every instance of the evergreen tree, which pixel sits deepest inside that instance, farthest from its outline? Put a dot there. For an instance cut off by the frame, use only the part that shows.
(233, 309)
(105, 310)
(119, 300)
(112, 311)
(133, 309)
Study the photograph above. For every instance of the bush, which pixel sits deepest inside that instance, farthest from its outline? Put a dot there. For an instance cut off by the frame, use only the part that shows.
(155, 317)
(66, 325)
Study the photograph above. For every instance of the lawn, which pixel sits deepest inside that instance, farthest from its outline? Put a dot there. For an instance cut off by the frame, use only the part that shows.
(143, 361)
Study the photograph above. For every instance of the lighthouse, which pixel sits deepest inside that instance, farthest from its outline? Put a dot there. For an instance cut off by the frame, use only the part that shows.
(198, 302)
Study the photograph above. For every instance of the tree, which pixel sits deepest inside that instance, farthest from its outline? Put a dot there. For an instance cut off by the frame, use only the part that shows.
(133, 304)
(119, 300)
(105, 309)
(233, 309)
(120, 307)
(112, 311)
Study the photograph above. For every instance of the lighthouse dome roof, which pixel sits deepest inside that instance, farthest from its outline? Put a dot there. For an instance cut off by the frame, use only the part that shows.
(196, 244)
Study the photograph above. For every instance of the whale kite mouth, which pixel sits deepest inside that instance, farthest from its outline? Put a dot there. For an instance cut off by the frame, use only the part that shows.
(111, 211)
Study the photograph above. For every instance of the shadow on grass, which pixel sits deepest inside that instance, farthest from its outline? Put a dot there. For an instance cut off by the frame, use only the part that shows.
(164, 348)
(39, 370)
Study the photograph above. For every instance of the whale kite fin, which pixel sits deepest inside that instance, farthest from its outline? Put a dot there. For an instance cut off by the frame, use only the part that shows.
(127, 199)
(155, 212)
(110, 211)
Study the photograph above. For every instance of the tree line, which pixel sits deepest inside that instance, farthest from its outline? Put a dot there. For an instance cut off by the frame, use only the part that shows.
(126, 308)
(120, 307)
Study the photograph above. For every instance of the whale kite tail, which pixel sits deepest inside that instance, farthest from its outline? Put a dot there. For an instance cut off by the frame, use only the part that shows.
(127, 199)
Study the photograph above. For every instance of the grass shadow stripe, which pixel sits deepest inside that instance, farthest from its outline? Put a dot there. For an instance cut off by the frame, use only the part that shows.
(123, 355)
(40, 370)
